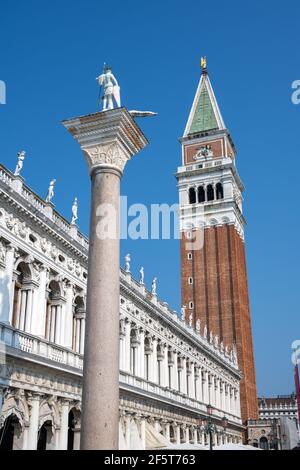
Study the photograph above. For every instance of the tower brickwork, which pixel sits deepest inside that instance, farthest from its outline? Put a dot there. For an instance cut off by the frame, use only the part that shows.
(213, 265)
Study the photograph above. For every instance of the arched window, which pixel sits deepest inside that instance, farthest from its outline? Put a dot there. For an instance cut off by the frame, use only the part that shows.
(78, 325)
(192, 196)
(219, 191)
(160, 358)
(210, 192)
(54, 313)
(201, 194)
(22, 308)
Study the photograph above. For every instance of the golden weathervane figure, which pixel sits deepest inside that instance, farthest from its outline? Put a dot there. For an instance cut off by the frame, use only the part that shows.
(203, 63)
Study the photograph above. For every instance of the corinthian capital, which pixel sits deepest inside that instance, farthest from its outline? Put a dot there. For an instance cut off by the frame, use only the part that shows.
(108, 139)
(111, 155)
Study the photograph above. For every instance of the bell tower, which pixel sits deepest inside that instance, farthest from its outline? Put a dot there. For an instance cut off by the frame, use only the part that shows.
(214, 285)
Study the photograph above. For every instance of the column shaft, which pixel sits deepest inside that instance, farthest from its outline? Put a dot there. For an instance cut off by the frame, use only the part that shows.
(100, 414)
(34, 424)
(64, 425)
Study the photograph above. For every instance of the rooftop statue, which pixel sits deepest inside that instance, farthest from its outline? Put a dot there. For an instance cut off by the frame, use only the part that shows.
(142, 276)
(127, 263)
(74, 211)
(50, 193)
(154, 286)
(21, 158)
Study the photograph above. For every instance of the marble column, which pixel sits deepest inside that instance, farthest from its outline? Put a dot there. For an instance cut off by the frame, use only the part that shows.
(28, 315)
(143, 431)
(227, 398)
(52, 322)
(64, 425)
(177, 434)
(141, 353)
(154, 372)
(82, 334)
(238, 404)
(175, 371)
(32, 439)
(187, 434)
(127, 346)
(165, 368)
(221, 395)
(108, 140)
(68, 316)
(167, 430)
(127, 430)
(184, 377)
(217, 390)
(7, 290)
(192, 381)
(38, 326)
(195, 436)
(22, 316)
(76, 441)
(58, 324)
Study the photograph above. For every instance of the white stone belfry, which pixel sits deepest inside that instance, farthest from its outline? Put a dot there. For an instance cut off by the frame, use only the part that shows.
(108, 140)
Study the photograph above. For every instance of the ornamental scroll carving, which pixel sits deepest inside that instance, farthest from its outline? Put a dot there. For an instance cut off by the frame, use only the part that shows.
(106, 155)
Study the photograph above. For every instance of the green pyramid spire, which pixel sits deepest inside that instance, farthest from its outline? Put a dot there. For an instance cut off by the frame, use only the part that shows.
(204, 118)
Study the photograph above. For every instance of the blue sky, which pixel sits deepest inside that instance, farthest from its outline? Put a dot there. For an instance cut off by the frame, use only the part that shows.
(51, 53)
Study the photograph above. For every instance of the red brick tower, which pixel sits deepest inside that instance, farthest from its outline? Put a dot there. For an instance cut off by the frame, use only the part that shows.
(213, 266)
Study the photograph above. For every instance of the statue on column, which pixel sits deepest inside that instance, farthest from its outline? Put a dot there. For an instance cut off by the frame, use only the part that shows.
(205, 332)
(127, 263)
(142, 276)
(198, 325)
(111, 89)
(154, 286)
(74, 211)
(21, 158)
(191, 320)
(50, 193)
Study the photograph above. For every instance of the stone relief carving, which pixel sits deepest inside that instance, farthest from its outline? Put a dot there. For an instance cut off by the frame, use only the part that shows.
(10, 221)
(204, 151)
(44, 245)
(21, 229)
